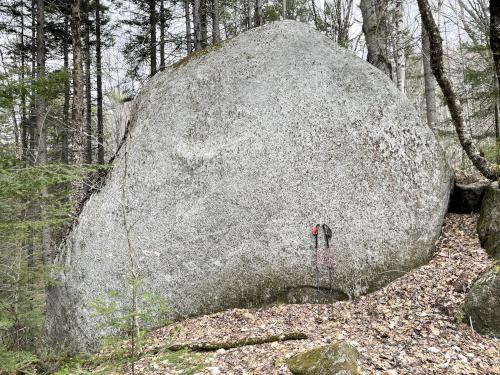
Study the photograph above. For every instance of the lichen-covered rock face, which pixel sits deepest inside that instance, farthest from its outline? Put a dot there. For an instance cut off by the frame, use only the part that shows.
(233, 155)
(488, 226)
(339, 358)
(482, 303)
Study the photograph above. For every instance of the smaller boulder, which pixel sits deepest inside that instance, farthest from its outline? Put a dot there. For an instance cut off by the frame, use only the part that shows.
(488, 226)
(467, 198)
(482, 303)
(339, 358)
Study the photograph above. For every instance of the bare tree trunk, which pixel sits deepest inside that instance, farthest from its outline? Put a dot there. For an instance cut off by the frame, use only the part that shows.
(24, 118)
(203, 23)
(88, 96)
(315, 13)
(344, 23)
(375, 29)
(16, 133)
(152, 36)
(248, 14)
(429, 84)
(32, 121)
(197, 25)
(489, 170)
(495, 49)
(41, 105)
(283, 5)
(215, 22)
(189, 46)
(258, 15)
(400, 51)
(162, 35)
(65, 125)
(100, 127)
(497, 132)
(41, 109)
(495, 35)
(78, 101)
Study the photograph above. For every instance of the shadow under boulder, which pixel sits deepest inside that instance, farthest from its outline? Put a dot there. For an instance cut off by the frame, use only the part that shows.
(467, 198)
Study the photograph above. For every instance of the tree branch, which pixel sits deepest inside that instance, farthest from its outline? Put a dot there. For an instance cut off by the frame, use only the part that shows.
(489, 170)
(213, 346)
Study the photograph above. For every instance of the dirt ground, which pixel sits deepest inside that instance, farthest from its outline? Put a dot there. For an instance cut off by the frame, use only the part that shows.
(412, 326)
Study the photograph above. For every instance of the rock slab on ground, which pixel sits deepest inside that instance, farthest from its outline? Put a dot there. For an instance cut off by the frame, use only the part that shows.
(488, 226)
(482, 304)
(339, 358)
(467, 198)
(233, 155)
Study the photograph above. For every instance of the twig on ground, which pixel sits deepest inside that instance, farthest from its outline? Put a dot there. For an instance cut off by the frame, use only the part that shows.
(212, 346)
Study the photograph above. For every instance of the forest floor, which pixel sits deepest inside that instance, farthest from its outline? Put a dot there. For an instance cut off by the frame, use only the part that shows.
(412, 326)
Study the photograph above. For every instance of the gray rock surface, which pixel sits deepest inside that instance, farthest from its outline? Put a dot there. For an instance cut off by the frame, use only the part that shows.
(482, 303)
(338, 358)
(488, 226)
(234, 154)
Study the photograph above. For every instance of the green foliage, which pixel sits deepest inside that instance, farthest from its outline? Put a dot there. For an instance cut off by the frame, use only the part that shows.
(271, 13)
(479, 78)
(50, 86)
(116, 313)
(16, 361)
(184, 361)
(21, 189)
(117, 359)
(23, 276)
(295, 10)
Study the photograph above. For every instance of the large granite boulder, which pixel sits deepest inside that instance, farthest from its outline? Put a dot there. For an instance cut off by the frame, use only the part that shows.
(233, 155)
(482, 303)
(488, 226)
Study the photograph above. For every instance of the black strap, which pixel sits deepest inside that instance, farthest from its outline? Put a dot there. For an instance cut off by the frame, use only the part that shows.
(328, 234)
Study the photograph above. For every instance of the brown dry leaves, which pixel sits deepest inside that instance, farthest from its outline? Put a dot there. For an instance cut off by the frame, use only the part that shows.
(406, 328)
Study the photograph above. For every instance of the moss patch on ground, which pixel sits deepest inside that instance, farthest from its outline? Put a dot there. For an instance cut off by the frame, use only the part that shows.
(337, 358)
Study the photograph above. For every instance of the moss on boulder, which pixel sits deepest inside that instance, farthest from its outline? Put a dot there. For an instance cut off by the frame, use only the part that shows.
(337, 358)
(482, 303)
(488, 226)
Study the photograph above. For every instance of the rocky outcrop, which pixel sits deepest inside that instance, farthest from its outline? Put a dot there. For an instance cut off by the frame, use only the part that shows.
(232, 156)
(467, 198)
(482, 303)
(338, 358)
(488, 226)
